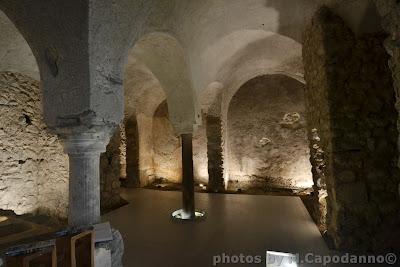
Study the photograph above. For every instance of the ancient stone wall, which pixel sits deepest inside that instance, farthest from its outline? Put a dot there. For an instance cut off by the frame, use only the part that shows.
(200, 160)
(352, 127)
(215, 153)
(122, 151)
(167, 149)
(110, 173)
(267, 139)
(33, 167)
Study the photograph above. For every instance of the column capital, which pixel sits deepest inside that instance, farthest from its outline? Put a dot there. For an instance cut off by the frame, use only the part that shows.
(80, 141)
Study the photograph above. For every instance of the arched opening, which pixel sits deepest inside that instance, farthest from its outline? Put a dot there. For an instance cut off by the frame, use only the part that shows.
(15, 53)
(34, 169)
(246, 57)
(267, 144)
(156, 73)
(167, 148)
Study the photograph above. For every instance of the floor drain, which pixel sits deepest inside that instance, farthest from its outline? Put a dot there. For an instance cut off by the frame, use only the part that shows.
(181, 215)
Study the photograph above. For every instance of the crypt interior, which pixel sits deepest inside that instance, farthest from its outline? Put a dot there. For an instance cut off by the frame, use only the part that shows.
(197, 128)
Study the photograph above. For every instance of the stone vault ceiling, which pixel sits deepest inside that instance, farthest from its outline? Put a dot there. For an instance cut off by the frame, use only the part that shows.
(183, 47)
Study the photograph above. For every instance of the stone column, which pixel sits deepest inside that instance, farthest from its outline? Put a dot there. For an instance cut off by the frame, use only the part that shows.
(215, 154)
(84, 151)
(132, 153)
(187, 177)
(145, 152)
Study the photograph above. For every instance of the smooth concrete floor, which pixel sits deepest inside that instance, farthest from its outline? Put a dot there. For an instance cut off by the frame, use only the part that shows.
(235, 224)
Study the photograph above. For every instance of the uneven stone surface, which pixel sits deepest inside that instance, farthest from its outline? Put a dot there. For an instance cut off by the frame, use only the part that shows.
(390, 13)
(318, 162)
(110, 173)
(102, 257)
(267, 137)
(215, 153)
(33, 166)
(167, 150)
(131, 155)
(122, 150)
(351, 107)
(117, 248)
(167, 147)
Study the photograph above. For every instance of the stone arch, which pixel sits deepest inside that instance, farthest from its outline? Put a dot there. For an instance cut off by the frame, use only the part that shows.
(15, 53)
(156, 70)
(164, 56)
(243, 63)
(143, 93)
(278, 145)
(51, 188)
(34, 169)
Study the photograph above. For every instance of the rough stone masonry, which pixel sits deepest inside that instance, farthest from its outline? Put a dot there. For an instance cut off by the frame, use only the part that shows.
(358, 137)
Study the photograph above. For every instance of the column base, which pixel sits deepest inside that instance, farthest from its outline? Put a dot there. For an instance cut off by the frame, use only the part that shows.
(180, 215)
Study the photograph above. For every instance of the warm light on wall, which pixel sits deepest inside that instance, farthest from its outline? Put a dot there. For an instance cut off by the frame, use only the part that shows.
(297, 174)
(200, 171)
(300, 172)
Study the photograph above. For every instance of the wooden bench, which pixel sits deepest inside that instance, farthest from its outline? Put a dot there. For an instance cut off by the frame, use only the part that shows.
(76, 251)
(68, 251)
(46, 258)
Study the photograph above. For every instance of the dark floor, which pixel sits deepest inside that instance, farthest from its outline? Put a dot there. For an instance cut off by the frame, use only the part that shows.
(235, 224)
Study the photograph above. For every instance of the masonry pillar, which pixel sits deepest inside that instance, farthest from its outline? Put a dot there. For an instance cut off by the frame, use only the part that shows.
(353, 133)
(84, 151)
(187, 177)
(145, 150)
(132, 153)
(214, 154)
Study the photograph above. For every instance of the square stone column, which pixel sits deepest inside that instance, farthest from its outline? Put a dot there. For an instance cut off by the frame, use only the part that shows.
(215, 154)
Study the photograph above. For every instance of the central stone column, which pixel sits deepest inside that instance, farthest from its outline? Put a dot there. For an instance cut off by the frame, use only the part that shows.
(84, 151)
(187, 177)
